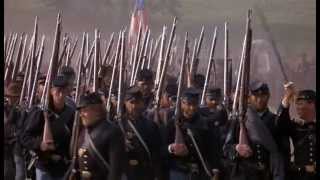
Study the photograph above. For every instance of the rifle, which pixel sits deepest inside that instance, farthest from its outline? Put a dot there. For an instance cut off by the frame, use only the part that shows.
(23, 58)
(245, 79)
(39, 62)
(213, 45)
(76, 123)
(150, 54)
(136, 53)
(178, 133)
(137, 68)
(53, 70)
(108, 50)
(165, 65)
(190, 78)
(144, 57)
(108, 104)
(154, 51)
(18, 59)
(227, 70)
(72, 52)
(163, 38)
(8, 62)
(121, 92)
(195, 57)
(96, 61)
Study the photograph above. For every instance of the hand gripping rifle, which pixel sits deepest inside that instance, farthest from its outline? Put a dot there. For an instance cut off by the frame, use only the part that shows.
(76, 123)
(178, 133)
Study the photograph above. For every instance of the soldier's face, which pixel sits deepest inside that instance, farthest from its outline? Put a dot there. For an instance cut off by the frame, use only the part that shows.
(40, 90)
(13, 100)
(188, 108)
(134, 107)
(259, 102)
(58, 94)
(212, 102)
(164, 102)
(305, 108)
(145, 87)
(91, 114)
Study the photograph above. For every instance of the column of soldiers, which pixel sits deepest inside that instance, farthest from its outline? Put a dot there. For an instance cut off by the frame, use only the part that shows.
(153, 128)
(144, 149)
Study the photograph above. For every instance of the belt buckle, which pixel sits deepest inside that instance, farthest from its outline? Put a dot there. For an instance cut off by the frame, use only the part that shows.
(310, 168)
(261, 166)
(133, 162)
(86, 174)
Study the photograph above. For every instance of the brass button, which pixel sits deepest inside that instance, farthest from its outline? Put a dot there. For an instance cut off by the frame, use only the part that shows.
(81, 151)
(133, 162)
(85, 162)
(259, 157)
(311, 160)
(311, 154)
(85, 168)
(85, 156)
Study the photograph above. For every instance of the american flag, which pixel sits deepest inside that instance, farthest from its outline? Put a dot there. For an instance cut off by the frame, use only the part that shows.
(139, 15)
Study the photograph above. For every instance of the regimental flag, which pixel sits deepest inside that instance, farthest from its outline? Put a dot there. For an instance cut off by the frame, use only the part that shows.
(139, 14)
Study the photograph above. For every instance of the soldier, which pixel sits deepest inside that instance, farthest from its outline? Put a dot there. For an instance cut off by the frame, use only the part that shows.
(302, 132)
(52, 158)
(185, 162)
(145, 85)
(143, 141)
(262, 158)
(14, 162)
(69, 73)
(217, 117)
(101, 142)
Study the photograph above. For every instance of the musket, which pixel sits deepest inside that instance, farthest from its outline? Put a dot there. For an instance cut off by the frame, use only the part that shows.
(190, 74)
(24, 84)
(136, 54)
(165, 65)
(245, 79)
(155, 50)
(195, 57)
(89, 56)
(108, 50)
(121, 86)
(18, 59)
(150, 54)
(144, 57)
(53, 70)
(64, 49)
(76, 122)
(160, 59)
(96, 62)
(178, 133)
(210, 61)
(115, 64)
(39, 62)
(72, 51)
(9, 64)
(23, 58)
(137, 67)
(227, 70)
(68, 54)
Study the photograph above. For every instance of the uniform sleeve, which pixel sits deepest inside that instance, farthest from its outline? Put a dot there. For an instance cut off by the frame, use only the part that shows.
(116, 155)
(283, 121)
(31, 137)
(229, 149)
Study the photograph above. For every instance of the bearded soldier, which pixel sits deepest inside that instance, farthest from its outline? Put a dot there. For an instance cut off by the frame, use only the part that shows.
(101, 142)
(143, 141)
(262, 158)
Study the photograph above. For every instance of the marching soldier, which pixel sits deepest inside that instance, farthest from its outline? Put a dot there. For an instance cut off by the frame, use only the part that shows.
(302, 132)
(145, 84)
(69, 73)
(217, 117)
(185, 161)
(14, 162)
(262, 157)
(143, 141)
(52, 158)
(101, 143)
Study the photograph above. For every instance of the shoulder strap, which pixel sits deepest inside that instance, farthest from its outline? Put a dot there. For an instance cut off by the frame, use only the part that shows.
(140, 139)
(189, 132)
